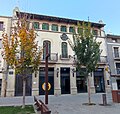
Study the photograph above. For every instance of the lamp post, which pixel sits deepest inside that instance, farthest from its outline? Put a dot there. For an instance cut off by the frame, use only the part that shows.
(46, 74)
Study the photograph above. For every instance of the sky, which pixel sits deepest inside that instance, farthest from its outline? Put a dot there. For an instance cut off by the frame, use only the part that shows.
(106, 10)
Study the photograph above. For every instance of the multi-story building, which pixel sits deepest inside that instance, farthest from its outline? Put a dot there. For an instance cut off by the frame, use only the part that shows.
(62, 75)
(113, 47)
(5, 24)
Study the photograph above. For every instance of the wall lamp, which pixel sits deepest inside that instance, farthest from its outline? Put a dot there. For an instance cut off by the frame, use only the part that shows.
(57, 70)
(73, 70)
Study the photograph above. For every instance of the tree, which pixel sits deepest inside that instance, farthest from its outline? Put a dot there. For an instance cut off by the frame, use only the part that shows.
(21, 51)
(87, 51)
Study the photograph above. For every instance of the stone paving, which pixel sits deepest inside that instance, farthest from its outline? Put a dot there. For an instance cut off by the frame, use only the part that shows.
(70, 104)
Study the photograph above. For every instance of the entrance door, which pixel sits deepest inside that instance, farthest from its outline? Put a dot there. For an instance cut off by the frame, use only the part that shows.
(118, 84)
(99, 80)
(19, 85)
(65, 80)
(99, 84)
(81, 84)
(50, 80)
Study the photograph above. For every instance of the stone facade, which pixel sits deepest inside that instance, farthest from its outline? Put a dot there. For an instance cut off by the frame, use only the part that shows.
(62, 74)
(113, 46)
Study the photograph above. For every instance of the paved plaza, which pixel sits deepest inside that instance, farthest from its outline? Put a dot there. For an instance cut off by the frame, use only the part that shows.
(70, 104)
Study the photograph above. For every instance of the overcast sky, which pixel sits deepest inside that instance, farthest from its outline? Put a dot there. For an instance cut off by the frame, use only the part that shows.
(106, 10)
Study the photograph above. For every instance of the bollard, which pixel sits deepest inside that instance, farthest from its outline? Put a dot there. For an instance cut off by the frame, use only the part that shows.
(104, 99)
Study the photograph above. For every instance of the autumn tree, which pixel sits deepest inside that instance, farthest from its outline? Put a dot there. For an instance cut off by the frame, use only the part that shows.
(21, 51)
(87, 51)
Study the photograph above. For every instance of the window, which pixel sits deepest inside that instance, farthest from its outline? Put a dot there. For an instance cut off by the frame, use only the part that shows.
(116, 52)
(44, 48)
(11, 72)
(64, 50)
(95, 32)
(45, 26)
(54, 27)
(114, 40)
(72, 29)
(63, 29)
(118, 68)
(36, 25)
(1, 25)
(80, 30)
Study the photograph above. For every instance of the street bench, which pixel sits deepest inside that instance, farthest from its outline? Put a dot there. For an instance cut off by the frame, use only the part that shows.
(40, 107)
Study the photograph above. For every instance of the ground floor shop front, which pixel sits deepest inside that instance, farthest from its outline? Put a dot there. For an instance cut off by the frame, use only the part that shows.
(115, 80)
(61, 80)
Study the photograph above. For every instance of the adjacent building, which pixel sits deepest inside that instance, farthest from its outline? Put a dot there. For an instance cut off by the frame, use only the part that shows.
(62, 75)
(113, 49)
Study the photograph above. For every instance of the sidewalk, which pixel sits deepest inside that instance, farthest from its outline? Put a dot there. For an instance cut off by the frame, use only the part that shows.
(69, 104)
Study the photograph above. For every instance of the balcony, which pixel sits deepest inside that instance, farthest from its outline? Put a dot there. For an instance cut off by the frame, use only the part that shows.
(102, 60)
(65, 57)
(53, 58)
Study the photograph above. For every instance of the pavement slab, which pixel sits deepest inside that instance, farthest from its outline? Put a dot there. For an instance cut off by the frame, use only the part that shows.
(69, 104)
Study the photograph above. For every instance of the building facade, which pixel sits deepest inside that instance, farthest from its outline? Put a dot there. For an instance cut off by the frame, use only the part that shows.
(5, 25)
(62, 75)
(113, 46)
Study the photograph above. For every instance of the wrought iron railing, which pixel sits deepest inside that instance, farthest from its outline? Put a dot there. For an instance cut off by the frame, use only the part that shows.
(52, 57)
(65, 56)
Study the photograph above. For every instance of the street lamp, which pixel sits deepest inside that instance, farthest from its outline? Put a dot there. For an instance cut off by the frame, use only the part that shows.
(57, 71)
(46, 73)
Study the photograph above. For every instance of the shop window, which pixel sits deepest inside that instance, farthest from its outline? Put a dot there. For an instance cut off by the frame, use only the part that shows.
(54, 27)
(45, 26)
(63, 29)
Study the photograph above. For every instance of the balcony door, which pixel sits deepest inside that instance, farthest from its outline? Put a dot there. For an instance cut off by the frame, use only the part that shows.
(116, 52)
(64, 50)
(118, 84)
(118, 68)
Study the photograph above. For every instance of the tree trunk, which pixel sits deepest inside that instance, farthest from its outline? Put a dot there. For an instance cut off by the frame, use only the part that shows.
(5, 88)
(24, 91)
(89, 94)
(5, 80)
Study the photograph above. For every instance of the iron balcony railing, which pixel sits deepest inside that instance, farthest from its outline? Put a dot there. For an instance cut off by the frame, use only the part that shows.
(53, 57)
(65, 57)
(102, 59)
